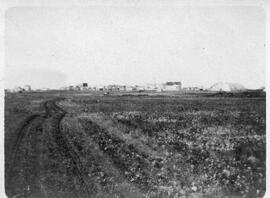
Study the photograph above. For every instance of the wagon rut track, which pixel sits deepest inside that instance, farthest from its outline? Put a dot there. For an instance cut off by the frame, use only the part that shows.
(54, 114)
(57, 114)
(22, 132)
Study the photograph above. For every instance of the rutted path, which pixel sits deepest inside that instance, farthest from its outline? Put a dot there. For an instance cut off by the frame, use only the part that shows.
(23, 167)
(45, 161)
(65, 147)
(23, 175)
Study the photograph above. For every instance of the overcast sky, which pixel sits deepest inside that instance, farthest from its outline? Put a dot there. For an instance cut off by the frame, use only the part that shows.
(53, 47)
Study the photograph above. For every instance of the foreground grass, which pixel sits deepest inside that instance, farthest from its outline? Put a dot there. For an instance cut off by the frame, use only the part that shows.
(155, 146)
(204, 147)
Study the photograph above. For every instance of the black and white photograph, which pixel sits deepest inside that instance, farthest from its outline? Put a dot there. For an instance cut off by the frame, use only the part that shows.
(134, 99)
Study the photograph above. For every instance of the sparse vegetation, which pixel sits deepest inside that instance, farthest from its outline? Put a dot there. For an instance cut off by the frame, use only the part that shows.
(152, 145)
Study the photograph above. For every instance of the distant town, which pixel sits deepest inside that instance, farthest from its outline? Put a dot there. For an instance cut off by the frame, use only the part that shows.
(156, 87)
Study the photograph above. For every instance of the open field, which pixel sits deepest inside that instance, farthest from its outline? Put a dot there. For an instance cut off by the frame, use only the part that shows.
(85, 144)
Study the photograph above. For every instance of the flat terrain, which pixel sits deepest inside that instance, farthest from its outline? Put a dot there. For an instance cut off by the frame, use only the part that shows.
(87, 144)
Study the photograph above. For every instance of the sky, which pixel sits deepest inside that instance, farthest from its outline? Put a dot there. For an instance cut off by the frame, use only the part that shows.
(199, 46)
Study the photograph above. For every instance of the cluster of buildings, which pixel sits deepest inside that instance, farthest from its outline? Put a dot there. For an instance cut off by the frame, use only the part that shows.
(157, 87)
(25, 88)
(168, 86)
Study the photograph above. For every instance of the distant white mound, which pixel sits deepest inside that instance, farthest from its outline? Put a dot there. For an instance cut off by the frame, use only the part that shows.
(225, 86)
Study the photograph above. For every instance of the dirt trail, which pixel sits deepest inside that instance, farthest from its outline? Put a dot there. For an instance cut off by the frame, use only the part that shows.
(23, 161)
(65, 147)
(46, 162)
(23, 174)
(22, 132)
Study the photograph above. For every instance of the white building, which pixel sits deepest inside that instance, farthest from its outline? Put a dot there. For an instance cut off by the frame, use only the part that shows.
(139, 88)
(172, 86)
(151, 87)
(27, 87)
(128, 88)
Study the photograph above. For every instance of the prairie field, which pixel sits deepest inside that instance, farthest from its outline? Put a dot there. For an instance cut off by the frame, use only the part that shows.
(87, 144)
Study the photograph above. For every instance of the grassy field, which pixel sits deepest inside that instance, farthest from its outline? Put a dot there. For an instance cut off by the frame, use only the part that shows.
(135, 145)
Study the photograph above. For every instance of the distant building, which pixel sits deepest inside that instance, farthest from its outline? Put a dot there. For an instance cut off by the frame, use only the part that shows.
(18, 90)
(129, 88)
(193, 88)
(82, 86)
(151, 87)
(77, 88)
(70, 88)
(99, 88)
(66, 88)
(27, 87)
(172, 86)
(85, 85)
(139, 88)
(122, 88)
(112, 87)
